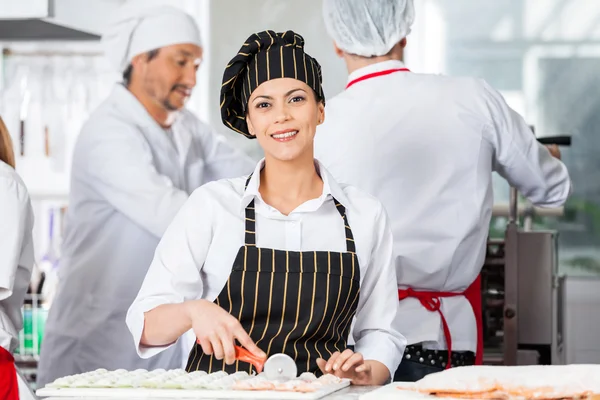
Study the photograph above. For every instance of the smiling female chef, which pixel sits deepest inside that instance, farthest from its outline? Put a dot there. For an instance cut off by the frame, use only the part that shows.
(281, 260)
(16, 264)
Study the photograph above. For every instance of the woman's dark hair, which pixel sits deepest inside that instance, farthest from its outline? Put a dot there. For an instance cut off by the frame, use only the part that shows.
(129, 70)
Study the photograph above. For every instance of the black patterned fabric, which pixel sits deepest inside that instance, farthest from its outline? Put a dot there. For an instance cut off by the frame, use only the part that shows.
(438, 358)
(264, 56)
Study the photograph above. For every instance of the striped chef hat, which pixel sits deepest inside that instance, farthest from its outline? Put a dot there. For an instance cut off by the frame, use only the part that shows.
(264, 56)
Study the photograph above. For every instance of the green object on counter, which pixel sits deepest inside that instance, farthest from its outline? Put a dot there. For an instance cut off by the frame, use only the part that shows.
(34, 322)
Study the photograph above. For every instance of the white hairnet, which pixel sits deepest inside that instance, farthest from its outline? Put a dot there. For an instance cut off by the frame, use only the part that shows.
(368, 27)
(142, 25)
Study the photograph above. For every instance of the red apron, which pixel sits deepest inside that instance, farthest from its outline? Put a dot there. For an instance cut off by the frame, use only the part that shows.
(431, 301)
(9, 384)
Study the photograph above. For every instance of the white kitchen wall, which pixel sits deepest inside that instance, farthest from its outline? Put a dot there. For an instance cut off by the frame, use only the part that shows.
(582, 319)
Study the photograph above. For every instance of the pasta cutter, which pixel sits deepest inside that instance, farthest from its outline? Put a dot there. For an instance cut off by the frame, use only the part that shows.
(277, 366)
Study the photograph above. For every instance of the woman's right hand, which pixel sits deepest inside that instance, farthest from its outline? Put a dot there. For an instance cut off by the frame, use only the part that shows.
(216, 331)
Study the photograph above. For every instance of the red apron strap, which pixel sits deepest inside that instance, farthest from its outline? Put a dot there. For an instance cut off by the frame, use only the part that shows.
(473, 296)
(431, 301)
(9, 384)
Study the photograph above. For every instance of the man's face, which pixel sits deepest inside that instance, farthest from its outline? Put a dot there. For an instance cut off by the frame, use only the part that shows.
(169, 77)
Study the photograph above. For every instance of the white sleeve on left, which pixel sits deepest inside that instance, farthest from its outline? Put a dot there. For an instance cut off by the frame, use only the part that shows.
(14, 203)
(374, 333)
(520, 158)
(130, 182)
(174, 275)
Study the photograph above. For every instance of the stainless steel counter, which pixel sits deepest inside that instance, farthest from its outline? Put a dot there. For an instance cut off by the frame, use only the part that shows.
(349, 393)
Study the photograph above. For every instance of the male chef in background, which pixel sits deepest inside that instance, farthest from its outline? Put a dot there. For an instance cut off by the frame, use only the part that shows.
(137, 159)
(426, 146)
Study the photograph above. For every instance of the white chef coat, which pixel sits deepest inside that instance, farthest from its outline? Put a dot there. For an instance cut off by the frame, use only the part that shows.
(128, 182)
(16, 258)
(426, 146)
(16, 253)
(196, 254)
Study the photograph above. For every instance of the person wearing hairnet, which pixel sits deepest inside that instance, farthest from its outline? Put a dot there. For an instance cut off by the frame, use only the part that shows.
(426, 146)
(137, 159)
(16, 264)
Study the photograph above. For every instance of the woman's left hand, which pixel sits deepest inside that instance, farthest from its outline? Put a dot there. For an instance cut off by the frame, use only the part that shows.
(348, 364)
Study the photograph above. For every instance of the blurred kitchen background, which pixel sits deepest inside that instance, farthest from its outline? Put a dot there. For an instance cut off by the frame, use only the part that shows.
(543, 55)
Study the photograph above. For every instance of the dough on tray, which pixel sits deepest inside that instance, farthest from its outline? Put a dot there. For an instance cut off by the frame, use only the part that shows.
(196, 380)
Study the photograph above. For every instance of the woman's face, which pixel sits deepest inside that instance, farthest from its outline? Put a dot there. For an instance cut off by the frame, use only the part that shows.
(283, 114)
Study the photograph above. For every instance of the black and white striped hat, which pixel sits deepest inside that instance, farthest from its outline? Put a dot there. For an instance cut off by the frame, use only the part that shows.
(264, 56)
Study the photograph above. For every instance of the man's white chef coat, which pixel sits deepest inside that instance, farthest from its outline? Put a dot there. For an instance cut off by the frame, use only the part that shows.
(426, 146)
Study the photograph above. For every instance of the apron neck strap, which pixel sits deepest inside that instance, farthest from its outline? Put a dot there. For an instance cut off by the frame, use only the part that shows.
(350, 245)
(250, 232)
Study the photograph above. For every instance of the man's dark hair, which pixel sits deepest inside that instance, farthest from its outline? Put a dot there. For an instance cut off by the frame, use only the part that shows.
(129, 70)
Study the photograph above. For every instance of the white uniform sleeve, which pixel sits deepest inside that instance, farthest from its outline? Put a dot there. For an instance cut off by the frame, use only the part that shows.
(119, 164)
(223, 160)
(14, 203)
(374, 332)
(525, 163)
(174, 275)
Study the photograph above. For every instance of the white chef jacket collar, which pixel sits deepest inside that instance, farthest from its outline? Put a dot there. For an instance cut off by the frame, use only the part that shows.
(378, 67)
(330, 187)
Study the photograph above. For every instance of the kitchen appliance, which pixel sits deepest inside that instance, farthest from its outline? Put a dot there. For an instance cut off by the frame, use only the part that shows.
(522, 291)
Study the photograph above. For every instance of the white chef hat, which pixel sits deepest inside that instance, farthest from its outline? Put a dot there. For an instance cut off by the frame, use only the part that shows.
(142, 25)
(368, 27)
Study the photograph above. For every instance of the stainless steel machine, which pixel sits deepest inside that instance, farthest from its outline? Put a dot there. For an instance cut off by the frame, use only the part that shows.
(522, 291)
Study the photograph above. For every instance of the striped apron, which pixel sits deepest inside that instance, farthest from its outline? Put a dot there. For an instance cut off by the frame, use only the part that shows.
(292, 302)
